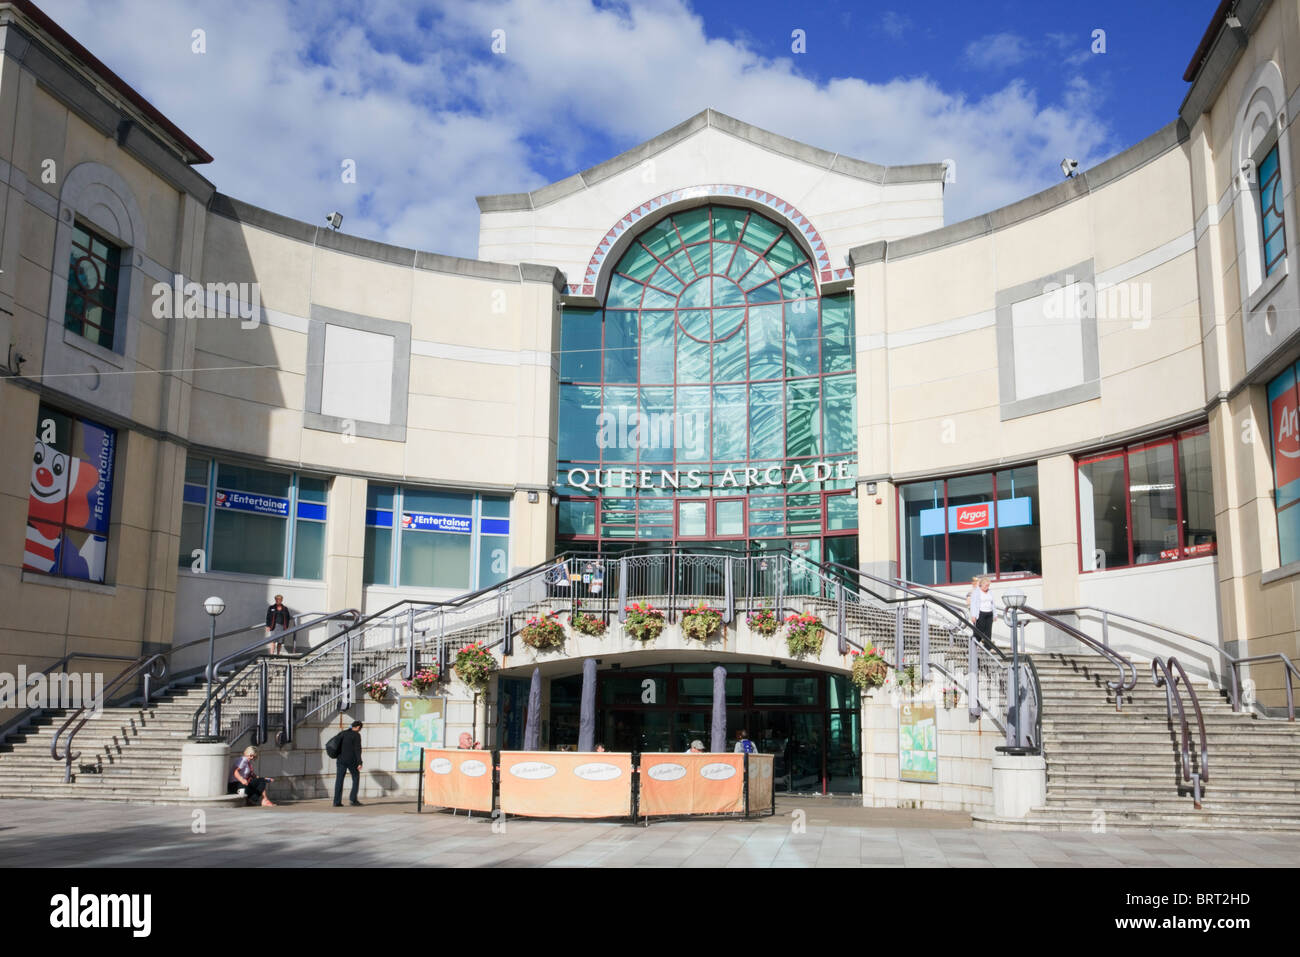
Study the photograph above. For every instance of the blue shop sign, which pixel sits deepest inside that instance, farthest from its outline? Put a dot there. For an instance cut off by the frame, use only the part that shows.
(428, 522)
(977, 516)
(250, 502)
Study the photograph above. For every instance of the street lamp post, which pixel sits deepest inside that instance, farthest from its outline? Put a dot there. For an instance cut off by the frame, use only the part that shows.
(1015, 601)
(214, 606)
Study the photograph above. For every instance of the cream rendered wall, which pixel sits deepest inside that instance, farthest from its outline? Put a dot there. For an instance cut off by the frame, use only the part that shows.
(133, 611)
(1258, 600)
(848, 211)
(943, 345)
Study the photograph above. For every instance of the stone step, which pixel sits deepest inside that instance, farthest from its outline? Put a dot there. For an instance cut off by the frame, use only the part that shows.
(1209, 807)
(1228, 792)
(1070, 820)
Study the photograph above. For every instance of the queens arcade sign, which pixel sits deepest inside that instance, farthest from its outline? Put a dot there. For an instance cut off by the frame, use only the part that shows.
(597, 479)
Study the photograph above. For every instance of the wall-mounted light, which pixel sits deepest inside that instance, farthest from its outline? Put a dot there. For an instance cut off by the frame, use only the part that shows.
(532, 498)
(871, 488)
(555, 500)
(335, 220)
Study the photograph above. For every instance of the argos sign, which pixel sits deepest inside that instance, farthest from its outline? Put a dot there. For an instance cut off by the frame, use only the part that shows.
(1284, 415)
(978, 516)
(970, 517)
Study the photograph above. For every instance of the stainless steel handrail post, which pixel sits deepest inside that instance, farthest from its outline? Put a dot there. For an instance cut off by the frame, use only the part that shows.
(263, 674)
(345, 691)
(288, 703)
(924, 653)
(841, 624)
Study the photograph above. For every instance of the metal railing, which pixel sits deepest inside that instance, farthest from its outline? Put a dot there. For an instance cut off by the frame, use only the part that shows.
(1119, 687)
(325, 680)
(17, 722)
(1234, 663)
(1162, 674)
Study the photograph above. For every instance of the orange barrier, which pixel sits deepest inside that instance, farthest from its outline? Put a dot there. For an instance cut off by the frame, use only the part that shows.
(565, 784)
(458, 779)
(693, 783)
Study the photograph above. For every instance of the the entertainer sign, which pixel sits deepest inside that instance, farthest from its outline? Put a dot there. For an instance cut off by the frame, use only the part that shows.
(430, 522)
(250, 502)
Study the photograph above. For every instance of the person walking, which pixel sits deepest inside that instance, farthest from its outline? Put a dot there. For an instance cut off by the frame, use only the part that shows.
(349, 761)
(979, 609)
(278, 621)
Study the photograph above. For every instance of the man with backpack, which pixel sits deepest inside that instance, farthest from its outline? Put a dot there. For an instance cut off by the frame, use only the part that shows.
(743, 744)
(345, 748)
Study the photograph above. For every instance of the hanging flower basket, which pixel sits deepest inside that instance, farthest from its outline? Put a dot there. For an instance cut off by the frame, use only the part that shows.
(378, 690)
(587, 624)
(422, 680)
(763, 622)
(474, 665)
(543, 632)
(869, 669)
(701, 622)
(804, 634)
(643, 622)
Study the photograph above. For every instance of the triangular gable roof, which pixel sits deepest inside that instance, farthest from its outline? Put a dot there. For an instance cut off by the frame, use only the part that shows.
(812, 155)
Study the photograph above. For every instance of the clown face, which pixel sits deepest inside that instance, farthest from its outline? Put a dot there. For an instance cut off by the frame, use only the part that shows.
(49, 483)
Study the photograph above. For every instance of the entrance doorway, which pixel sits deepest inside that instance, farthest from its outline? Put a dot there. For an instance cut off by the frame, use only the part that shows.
(808, 720)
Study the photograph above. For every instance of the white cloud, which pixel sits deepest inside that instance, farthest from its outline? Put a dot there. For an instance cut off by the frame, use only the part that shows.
(997, 51)
(288, 90)
(894, 24)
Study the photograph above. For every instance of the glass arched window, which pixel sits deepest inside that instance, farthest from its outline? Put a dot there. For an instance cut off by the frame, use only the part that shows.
(713, 370)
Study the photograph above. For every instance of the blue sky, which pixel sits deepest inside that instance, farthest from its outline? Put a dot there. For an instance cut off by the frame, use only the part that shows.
(283, 92)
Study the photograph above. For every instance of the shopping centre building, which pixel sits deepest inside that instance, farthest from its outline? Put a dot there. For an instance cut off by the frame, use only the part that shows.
(721, 339)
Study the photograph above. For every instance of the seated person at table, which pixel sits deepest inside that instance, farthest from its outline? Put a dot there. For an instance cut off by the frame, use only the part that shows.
(697, 747)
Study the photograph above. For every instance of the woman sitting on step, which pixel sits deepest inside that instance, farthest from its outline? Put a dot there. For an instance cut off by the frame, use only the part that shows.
(245, 776)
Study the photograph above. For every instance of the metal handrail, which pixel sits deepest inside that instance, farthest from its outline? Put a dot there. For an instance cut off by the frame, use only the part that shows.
(79, 717)
(358, 627)
(247, 650)
(1234, 662)
(1114, 657)
(26, 715)
(1160, 674)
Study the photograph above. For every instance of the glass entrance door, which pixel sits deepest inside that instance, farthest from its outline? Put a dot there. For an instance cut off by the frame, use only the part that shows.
(795, 739)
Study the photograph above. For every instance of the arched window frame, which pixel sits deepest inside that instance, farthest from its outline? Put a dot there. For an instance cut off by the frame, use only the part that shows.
(1260, 122)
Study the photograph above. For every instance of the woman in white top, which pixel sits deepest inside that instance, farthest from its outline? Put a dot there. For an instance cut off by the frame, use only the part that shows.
(979, 609)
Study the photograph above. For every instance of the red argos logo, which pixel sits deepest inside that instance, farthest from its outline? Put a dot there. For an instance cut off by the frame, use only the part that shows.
(972, 516)
(1286, 439)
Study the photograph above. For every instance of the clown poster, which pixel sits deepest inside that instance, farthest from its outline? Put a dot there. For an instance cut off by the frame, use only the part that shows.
(70, 495)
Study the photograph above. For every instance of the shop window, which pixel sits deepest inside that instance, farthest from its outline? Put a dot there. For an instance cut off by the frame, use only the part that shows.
(429, 538)
(1284, 428)
(70, 497)
(1146, 503)
(261, 522)
(953, 530)
(93, 270)
(194, 514)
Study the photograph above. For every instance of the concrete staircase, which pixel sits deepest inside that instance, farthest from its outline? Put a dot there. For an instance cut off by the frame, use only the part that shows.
(134, 754)
(125, 754)
(1122, 769)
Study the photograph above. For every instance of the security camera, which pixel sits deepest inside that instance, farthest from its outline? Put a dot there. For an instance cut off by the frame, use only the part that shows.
(335, 220)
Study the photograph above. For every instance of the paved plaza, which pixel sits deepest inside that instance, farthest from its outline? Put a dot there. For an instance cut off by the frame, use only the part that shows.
(388, 834)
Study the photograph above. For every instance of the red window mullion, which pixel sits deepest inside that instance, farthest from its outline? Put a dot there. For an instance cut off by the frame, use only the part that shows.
(1178, 503)
(1128, 507)
(997, 551)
